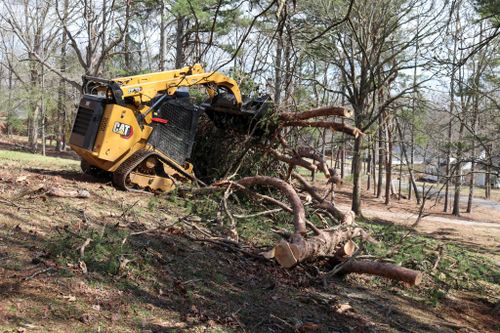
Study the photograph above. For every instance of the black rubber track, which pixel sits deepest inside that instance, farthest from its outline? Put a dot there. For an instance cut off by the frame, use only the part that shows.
(120, 175)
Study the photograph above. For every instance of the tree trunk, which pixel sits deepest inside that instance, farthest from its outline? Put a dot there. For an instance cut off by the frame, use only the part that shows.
(374, 164)
(369, 167)
(487, 185)
(288, 75)
(42, 111)
(381, 157)
(410, 170)
(278, 75)
(300, 249)
(126, 45)
(487, 188)
(400, 171)
(33, 117)
(451, 111)
(342, 155)
(471, 180)
(458, 168)
(9, 102)
(412, 121)
(356, 167)
(388, 168)
(180, 56)
(411, 180)
(161, 55)
(448, 168)
(458, 176)
(103, 24)
(61, 98)
(474, 125)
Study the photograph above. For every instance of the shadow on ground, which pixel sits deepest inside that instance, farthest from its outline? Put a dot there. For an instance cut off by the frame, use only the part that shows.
(199, 285)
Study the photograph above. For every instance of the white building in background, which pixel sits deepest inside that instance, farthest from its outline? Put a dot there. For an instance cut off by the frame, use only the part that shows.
(480, 179)
(479, 173)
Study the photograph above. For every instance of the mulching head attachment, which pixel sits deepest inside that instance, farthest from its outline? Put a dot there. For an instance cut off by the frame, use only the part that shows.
(245, 119)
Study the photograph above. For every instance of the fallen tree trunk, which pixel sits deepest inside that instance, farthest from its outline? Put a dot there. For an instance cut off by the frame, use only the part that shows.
(309, 152)
(295, 161)
(386, 270)
(322, 203)
(319, 112)
(337, 242)
(324, 243)
(355, 132)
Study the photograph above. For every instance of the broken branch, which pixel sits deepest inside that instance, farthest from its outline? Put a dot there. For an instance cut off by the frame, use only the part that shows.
(355, 132)
(319, 112)
(387, 270)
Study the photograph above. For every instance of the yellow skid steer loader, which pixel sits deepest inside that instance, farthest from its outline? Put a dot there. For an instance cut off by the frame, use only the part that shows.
(141, 128)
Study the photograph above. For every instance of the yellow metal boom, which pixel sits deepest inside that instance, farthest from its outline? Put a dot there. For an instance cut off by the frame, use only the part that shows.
(146, 86)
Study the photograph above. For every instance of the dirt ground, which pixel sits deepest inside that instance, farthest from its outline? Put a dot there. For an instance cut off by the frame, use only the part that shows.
(175, 282)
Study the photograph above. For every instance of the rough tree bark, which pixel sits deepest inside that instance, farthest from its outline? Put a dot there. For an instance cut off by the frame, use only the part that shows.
(356, 166)
(319, 112)
(390, 271)
(161, 53)
(381, 156)
(61, 107)
(325, 124)
(388, 166)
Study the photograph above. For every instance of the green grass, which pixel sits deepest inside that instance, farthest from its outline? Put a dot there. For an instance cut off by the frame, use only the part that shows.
(307, 173)
(257, 230)
(36, 160)
(459, 267)
(107, 247)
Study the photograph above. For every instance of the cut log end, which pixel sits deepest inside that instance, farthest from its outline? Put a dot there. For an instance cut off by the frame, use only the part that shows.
(286, 254)
(349, 248)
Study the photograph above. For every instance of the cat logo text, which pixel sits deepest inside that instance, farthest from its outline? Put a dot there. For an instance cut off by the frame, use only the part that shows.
(123, 129)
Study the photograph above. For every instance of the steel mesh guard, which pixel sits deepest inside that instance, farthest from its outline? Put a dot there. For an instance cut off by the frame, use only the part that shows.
(176, 137)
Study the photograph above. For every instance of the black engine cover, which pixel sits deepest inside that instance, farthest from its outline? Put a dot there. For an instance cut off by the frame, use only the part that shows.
(87, 121)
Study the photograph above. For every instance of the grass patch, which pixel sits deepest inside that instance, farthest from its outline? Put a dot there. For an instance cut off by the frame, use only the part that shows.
(38, 160)
(447, 265)
(103, 254)
(256, 230)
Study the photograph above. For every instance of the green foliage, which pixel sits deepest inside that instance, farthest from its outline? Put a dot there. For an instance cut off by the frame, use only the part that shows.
(218, 153)
(489, 9)
(15, 124)
(103, 254)
(248, 86)
(204, 11)
(153, 203)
